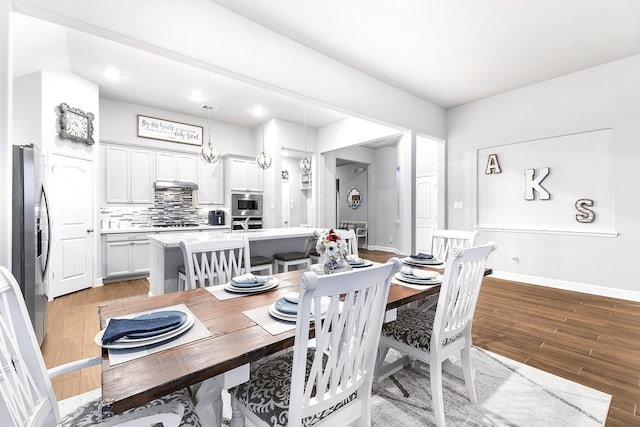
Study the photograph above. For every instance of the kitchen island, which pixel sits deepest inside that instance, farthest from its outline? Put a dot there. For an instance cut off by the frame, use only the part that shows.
(166, 256)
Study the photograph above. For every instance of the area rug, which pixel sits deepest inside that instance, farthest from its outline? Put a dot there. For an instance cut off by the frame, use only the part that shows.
(509, 394)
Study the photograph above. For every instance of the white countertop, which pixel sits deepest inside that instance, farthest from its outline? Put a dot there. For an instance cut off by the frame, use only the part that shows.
(168, 240)
(202, 228)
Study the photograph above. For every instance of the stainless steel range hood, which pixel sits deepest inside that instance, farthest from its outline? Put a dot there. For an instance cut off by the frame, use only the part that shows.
(177, 185)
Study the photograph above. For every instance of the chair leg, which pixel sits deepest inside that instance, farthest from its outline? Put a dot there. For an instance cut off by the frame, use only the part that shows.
(237, 418)
(435, 369)
(465, 354)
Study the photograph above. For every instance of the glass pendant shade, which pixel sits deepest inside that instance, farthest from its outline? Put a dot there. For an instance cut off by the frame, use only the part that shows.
(263, 159)
(305, 165)
(210, 152)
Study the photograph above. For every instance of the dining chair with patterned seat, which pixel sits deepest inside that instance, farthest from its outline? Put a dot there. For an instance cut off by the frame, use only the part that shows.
(27, 398)
(211, 262)
(328, 383)
(433, 336)
(442, 241)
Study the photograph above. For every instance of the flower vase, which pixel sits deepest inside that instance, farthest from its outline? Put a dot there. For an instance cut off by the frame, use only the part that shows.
(334, 262)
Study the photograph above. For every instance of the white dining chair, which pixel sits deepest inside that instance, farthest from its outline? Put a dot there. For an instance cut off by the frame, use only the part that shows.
(350, 238)
(27, 398)
(434, 335)
(331, 381)
(210, 262)
(442, 241)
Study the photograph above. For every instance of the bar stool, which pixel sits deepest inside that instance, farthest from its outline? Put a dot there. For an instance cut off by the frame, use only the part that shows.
(261, 263)
(290, 259)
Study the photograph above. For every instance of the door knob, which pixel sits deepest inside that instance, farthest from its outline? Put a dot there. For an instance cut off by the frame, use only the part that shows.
(89, 230)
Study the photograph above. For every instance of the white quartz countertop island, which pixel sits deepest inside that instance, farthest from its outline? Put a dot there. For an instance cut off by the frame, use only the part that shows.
(166, 255)
(172, 239)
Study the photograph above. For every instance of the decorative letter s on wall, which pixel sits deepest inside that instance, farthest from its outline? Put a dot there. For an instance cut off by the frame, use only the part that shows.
(585, 215)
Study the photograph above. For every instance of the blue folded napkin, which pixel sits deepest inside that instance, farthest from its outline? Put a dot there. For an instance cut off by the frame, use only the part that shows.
(422, 256)
(248, 280)
(118, 328)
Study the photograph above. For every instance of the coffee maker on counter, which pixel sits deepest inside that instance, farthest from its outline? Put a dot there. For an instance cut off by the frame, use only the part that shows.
(216, 217)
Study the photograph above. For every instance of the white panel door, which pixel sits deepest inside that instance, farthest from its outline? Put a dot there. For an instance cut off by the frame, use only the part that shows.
(426, 211)
(72, 224)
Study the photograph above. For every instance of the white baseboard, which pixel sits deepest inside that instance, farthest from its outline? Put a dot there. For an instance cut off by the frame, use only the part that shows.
(384, 248)
(569, 286)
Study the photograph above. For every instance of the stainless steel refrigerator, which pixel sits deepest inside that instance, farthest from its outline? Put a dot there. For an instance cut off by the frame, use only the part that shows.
(30, 233)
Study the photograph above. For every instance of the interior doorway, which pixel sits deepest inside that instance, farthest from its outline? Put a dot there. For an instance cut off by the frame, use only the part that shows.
(72, 224)
(426, 211)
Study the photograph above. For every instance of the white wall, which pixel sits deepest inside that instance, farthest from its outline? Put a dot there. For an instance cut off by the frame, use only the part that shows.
(6, 89)
(601, 97)
(351, 131)
(350, 178)
(119, 123)
(383, 231)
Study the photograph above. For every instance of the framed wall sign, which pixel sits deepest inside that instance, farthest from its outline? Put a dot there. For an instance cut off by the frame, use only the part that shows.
(168, 130)
(354, 198)
(74, 124)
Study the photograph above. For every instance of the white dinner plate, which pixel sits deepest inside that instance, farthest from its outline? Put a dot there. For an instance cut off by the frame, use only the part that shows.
(271, 284)
(411, 261)
(263, 280)
(141, 342)
(282, 316)
(292, 317)
(366, 263)
(434, 281)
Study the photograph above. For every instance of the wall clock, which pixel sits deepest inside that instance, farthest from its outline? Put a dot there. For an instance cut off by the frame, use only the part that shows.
(75, 125)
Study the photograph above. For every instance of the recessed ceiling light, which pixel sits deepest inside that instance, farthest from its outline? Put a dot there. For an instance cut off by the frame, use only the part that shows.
(112, 74)
(196, 96)
(257, 111)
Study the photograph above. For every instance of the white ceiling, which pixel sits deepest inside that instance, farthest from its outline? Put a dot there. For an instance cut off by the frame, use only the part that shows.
(448, 52)
(457, 51)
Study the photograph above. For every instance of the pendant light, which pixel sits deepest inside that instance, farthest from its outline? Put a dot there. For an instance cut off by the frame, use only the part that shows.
(263, 159)
(305, 162)
(210, 152)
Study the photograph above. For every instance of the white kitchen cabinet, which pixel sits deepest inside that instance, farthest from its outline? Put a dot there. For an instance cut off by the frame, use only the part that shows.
(244, 175)
(210, 183)
(176, 167)
(165, 166)
(186, 167)
(126, 254)
(128, 175)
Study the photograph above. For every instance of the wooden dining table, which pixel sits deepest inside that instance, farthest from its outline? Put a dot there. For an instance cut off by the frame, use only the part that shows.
(235, 340)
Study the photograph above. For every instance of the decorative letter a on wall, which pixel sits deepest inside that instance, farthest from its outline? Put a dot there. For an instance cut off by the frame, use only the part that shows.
(493, 166)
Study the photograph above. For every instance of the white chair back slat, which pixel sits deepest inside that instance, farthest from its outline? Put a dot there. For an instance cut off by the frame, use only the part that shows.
(349, 236)
(458, 296)
(25, 388)
(443, 241)
(215, 261)
(346, 338)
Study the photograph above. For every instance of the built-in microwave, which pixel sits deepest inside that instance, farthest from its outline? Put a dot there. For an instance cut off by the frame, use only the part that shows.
(246, 204)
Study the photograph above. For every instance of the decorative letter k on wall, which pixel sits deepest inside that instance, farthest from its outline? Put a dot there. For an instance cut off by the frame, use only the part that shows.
(532, 184)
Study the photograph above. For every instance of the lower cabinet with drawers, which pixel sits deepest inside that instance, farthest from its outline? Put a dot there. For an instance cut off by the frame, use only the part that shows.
(125, 254)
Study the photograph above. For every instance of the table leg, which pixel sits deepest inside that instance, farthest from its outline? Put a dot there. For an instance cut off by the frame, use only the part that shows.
(207, 396)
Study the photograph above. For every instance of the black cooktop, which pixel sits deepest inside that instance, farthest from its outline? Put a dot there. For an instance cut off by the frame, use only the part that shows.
(189, 224)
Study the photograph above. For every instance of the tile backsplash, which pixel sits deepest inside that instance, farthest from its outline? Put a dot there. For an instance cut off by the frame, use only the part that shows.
(171, 207)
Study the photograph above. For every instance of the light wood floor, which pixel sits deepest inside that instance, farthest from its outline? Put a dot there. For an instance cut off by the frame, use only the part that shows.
(588, 339)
